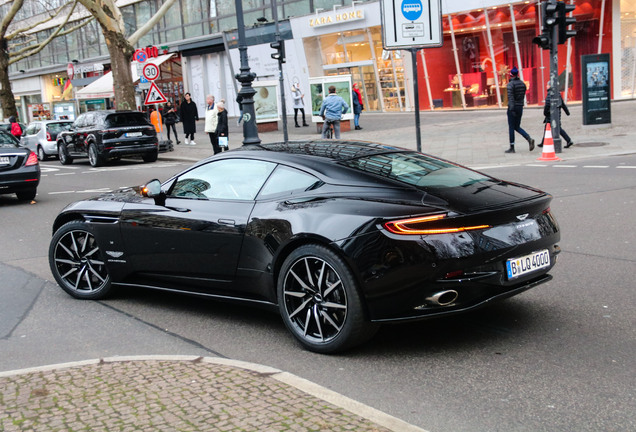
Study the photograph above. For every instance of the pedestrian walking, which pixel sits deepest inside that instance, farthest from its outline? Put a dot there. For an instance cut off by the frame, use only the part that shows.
(222, 130)
(16, 129)
(358, 106)
(189, 115)
(516, 99)
(170, 119)
(211, 122)
(331, 111)
(547, 119)
(299, 103)
(156, 120)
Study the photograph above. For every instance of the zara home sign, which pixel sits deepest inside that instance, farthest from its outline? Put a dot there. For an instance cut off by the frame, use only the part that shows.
(337, 17)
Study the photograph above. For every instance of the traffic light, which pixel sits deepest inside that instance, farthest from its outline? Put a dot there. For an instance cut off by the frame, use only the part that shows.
(565, 21)
(279, 46)
(548, 12)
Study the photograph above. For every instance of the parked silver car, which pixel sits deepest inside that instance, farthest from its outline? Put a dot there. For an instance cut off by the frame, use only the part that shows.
(40, 136)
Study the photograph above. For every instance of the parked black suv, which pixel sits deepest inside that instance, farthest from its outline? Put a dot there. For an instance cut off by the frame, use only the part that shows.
(105, 135)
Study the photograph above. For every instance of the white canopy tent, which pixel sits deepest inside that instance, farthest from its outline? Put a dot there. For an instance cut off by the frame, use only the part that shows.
(103, 87)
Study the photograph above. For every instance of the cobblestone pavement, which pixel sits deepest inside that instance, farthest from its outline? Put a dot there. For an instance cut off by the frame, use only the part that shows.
(196, 394)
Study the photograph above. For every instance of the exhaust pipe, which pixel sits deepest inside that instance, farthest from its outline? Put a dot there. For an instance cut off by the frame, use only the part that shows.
(443, 298)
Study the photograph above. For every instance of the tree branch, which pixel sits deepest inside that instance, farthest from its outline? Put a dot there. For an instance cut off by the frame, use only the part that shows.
(141, 32)
(6, 20)
(32, 26)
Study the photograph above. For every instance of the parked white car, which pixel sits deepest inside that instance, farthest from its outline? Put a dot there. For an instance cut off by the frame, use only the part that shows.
(40, 136)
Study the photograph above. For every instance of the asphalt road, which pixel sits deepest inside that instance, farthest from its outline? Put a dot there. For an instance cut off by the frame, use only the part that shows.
(558, 357)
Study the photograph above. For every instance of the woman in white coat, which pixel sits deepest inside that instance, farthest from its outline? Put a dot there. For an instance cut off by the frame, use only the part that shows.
(299, 104)
(211, 121)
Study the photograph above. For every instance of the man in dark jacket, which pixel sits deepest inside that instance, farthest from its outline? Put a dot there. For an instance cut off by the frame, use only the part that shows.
(516, 99)
(546, 113)
(189, 115)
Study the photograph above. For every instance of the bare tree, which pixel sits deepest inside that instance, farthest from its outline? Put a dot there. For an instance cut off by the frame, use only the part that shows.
(120, 47)
(17, 44)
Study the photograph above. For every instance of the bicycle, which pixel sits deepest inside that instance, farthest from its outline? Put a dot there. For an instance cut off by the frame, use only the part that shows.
(329, 132)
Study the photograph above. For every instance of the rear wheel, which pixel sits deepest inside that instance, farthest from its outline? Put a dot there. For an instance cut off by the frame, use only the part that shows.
(62, 154)
(94, 158)
(41, 155)
(150, 157)
(77, 263)
(26, 195)
(319, 301)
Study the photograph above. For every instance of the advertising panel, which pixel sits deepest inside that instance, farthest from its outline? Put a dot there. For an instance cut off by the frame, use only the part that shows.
(596, 89)
(266, 101)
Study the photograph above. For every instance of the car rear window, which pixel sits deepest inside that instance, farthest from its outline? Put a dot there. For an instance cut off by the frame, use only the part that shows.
(126, 119)
(58, 127)
(417, 169)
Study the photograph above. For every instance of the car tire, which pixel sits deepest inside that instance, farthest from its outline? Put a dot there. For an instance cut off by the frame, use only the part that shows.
(94, 158)
(41, 155)
(27, 195)
(62, 154)
(77, 263)
(150, 157)
(319, 301)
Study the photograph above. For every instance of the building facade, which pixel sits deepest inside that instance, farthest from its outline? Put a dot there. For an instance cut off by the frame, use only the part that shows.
(482, 41)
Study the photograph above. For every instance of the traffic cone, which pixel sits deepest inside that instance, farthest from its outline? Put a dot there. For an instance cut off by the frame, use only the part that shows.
(548, 146)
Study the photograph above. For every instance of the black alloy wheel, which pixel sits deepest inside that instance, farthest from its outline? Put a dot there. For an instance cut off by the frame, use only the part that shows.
(62, 154)
(77, 262)
(319, 301)
(94, 158)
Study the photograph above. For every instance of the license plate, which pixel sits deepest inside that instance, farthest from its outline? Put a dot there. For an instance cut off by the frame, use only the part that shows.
(4, 161)
(133, 134)
(527, 264)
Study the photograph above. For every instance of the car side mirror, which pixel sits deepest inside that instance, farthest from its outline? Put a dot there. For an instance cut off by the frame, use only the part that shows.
(152, 189)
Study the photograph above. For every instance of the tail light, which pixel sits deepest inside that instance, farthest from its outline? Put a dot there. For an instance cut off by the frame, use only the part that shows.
(32, 159)
(49, 137)
(428, 225)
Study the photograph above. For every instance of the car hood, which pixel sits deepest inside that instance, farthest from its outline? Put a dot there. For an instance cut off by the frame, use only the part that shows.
(127, 195)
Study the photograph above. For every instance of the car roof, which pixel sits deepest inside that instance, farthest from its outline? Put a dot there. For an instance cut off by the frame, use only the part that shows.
(327, 150)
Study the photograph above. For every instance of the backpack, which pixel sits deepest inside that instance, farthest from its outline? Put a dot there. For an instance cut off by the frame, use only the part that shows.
(16, 130)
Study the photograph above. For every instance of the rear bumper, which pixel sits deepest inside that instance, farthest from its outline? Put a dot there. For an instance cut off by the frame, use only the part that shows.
(126, 149)
(24, 181)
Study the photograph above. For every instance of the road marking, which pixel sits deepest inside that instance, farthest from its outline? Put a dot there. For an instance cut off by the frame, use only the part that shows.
(595, 166)
(61, 192)
(63, 174)
(626, 167)
(565, 166)
(538, 165)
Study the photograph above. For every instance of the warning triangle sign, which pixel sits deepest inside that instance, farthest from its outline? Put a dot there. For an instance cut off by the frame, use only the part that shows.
(154, 95)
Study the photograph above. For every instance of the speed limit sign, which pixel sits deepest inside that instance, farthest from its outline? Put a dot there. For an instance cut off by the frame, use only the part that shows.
(150, 72)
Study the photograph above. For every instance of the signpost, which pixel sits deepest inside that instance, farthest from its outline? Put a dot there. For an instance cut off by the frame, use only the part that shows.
(150, 71)
(411, 25)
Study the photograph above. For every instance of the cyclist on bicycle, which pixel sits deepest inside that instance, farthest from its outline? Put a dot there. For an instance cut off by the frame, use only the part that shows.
(331, 110)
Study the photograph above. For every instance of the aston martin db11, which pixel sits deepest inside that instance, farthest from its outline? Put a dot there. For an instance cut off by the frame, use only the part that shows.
(338, 236)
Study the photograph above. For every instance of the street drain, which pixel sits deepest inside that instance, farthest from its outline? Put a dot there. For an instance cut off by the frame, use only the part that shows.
(591, 144)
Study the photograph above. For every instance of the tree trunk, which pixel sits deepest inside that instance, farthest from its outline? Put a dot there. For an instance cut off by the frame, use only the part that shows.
(7, 101)
(121, 53)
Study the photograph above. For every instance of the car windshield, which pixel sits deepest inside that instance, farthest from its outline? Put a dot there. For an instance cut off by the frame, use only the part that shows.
(126, 119)
(7, 140)
(58, 127)
(417, 169)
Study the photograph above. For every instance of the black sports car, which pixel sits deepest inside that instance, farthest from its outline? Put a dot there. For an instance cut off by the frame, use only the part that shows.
(339, 236)
(19, 168)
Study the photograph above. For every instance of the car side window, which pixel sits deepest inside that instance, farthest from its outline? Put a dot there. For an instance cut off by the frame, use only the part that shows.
(288, 181)
(31, 129)
(227, 179)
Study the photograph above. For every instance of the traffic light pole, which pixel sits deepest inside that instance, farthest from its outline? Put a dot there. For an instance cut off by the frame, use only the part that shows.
(281, 81)
(555, 100)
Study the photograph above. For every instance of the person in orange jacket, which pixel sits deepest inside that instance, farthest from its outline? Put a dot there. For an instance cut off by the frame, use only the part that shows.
(155, 119)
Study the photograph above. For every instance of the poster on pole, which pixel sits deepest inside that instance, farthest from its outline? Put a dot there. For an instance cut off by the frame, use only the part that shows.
(266, 101)
(408, 24)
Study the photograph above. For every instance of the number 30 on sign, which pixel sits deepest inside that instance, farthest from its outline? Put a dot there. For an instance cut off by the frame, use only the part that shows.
(150, 72)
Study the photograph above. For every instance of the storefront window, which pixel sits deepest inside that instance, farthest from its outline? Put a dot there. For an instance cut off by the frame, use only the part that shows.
(193, 13)
(628, 49)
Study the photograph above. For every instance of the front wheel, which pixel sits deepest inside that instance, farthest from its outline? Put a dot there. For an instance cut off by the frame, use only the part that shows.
(319, 301)
(77, 263)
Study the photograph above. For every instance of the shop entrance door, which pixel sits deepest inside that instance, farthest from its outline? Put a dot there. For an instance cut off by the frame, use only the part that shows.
(364, 75)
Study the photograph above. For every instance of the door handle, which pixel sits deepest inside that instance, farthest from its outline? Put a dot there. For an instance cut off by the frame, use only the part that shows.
(227, 222)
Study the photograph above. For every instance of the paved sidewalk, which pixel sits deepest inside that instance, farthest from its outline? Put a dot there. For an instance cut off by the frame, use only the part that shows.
(177, 394)
(474, 138)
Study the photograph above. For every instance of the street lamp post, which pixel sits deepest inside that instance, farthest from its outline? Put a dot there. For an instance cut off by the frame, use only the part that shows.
(245, 77)
(281, 81)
